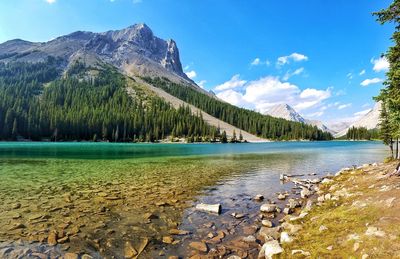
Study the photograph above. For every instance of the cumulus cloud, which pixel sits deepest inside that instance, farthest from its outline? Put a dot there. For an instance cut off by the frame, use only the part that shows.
(375, 80)
(262, 94)
(289, 74)
(380, 64)
(296, 57)
(344, 106)
(191, 74)
(50, 1)
(233, 83)
(315, 114)
(258, 62)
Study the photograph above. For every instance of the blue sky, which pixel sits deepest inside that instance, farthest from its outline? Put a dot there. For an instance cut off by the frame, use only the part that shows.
(322, 57)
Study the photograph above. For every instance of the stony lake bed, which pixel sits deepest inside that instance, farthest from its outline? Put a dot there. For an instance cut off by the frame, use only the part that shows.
(103, 200)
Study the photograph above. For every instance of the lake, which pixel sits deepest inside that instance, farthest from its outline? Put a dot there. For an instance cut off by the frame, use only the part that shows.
(100, 198)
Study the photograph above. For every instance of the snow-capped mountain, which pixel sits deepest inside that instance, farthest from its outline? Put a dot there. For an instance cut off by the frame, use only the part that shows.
(286, 112)
(370, 120)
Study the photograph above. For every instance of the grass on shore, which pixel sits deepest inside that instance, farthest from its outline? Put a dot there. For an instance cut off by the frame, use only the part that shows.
(365, 199)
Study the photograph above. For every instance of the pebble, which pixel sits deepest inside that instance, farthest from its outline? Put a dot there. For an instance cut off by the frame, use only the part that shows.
(129, 250)
(200, 246)
(71, 256)
(167, 240)
(52, 238)
(285, 238)
(178, 232)
(258, 197)
(266, 223)
(249, 239)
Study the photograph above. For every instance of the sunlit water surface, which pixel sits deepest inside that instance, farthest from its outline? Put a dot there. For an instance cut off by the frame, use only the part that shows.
(100, 195)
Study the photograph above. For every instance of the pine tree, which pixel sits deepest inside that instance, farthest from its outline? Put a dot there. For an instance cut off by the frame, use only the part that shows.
(224, 139)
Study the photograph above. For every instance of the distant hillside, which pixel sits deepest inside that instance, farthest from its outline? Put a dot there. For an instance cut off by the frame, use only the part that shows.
(285, 111)
(369, 121)
(88, 86)
(253, 122)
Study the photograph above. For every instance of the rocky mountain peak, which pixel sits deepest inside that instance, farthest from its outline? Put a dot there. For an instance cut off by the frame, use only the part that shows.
(285, 111)
(135, 50)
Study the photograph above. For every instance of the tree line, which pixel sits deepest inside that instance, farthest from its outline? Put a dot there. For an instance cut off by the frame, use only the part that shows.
(257, 124)
(362, 133)
(37, 103)
(390, 93)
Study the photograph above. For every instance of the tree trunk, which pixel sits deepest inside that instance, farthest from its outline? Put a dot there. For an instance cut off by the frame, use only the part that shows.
(391, 147)
(397, 148)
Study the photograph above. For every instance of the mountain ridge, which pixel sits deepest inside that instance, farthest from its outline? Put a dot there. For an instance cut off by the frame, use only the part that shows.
(134, 50)
(370, 120)
(287, 112)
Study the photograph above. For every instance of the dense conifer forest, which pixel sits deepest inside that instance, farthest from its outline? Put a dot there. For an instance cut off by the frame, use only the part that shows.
(362, 133)
(37, 102)
(40, 102)
(261, 125)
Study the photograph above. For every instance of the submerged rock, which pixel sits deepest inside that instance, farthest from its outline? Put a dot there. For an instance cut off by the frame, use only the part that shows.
(258, 197)
(178, 232)
(129, 250)
(213, 208)
(200, 246)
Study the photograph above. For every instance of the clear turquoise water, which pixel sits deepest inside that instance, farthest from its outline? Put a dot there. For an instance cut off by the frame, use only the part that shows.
(79, 150)
(41, 175)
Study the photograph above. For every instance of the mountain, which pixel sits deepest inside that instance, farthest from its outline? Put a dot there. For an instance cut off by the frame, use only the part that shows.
(370, 120)
(337, 126)
(134, 50)
(120, 85)
(286, 112)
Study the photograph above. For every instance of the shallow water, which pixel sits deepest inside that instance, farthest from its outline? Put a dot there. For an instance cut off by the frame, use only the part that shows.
(98, 194)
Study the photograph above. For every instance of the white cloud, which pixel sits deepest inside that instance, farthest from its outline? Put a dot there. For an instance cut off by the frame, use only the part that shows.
(362, 72)
(349, 76)
(375, 80)
(380, 64)
(366, 105)
(191, 74)
(289, 74)
(50, 1)
(341, 92)
(201, 83)
(234, 82)
(257, 62)
(294, 57)
(315, 114)
(234, 98)
(361, 113)
(344, 106)
(268, 91)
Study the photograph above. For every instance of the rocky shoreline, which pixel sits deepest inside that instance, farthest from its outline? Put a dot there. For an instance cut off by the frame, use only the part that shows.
(274, 229)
